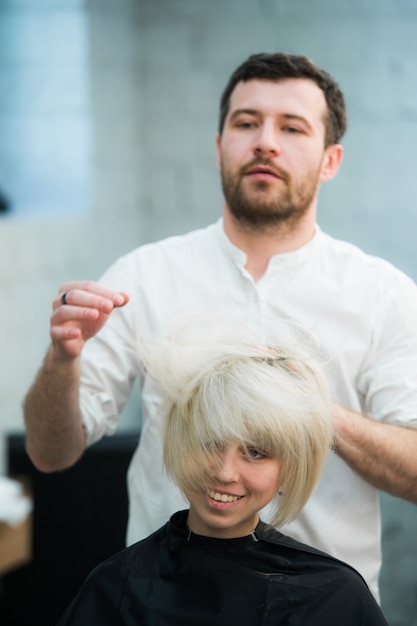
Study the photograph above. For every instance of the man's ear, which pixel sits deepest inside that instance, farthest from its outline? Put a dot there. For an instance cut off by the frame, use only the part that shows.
(331, 162)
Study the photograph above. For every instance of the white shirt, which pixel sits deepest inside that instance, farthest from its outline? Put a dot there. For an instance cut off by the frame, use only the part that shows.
(363, 313)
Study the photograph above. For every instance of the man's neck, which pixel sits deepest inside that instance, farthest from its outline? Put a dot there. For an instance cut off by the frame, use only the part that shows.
(260, 245)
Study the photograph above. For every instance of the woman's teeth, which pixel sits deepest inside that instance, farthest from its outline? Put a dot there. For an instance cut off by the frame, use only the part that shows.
(222, 497)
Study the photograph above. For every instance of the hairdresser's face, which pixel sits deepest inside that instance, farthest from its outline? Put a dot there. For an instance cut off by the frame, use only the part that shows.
(242, 484)
(271, 152)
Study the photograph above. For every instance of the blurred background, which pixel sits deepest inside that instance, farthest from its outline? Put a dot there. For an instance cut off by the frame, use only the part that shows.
(108, 112)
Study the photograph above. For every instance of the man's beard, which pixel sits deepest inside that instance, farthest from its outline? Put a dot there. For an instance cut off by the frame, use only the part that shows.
(257, 208)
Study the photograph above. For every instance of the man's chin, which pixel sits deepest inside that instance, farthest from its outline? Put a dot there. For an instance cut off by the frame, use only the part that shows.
(262, 216)
(262, 220)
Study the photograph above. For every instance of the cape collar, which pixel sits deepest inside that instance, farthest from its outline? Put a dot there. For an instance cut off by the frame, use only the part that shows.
(179, 534)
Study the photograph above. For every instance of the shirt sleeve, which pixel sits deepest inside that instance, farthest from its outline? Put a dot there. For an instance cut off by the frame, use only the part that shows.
(388, 379)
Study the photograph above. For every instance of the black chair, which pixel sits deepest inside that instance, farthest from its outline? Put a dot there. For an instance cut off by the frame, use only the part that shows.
(79, 519)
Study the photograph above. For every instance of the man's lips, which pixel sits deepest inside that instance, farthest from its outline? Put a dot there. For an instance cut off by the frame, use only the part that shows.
(263, 171)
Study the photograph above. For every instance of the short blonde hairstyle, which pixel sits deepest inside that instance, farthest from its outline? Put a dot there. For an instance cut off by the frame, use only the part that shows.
(225, 386)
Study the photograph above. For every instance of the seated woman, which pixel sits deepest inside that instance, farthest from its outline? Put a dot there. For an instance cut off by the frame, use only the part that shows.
(246, 425)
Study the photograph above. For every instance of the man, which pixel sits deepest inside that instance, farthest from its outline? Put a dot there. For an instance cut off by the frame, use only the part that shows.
(281, 122)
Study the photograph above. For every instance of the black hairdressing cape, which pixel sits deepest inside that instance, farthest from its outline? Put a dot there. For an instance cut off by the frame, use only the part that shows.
(177, 578)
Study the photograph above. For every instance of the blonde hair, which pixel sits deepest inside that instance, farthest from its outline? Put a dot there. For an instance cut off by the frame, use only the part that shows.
(222, 385)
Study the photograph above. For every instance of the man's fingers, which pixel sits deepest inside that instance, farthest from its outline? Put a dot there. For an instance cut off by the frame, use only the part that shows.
(78, 314)
(120, 299)
(80, 310)
(96, 296)
(76, 298)
(65, 333)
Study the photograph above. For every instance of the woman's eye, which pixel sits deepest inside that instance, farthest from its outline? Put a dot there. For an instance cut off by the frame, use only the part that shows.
(256, 454)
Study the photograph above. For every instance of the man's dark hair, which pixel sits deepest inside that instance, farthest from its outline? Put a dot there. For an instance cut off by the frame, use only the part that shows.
(279, 66)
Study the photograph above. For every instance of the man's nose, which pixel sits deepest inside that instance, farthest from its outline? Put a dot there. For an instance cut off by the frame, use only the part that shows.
(267, 141)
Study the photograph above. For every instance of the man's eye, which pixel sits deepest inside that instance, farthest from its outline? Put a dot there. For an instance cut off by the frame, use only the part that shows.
(245, 124)
(292, 130)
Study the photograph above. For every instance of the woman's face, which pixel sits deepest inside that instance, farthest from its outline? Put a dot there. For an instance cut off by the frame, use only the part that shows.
(244, 481)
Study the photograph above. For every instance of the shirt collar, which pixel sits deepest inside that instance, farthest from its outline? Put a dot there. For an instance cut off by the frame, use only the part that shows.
(282, 261)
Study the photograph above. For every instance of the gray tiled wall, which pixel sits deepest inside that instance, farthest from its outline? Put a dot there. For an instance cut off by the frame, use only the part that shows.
(117, 101)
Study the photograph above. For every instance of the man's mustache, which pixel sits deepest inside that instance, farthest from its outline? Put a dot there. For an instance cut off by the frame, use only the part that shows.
(267, 164)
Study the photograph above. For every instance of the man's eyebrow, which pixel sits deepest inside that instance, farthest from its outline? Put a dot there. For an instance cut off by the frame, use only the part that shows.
(298, 118)
(256, 113)
(238, 112)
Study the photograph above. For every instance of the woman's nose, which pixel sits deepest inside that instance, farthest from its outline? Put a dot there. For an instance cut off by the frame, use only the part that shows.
(227, 470)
